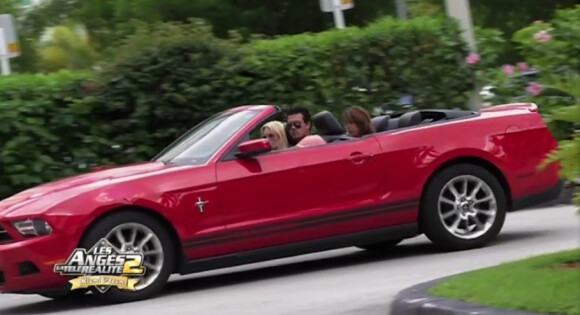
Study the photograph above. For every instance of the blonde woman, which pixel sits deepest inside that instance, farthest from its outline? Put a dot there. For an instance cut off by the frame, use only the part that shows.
(275, 133)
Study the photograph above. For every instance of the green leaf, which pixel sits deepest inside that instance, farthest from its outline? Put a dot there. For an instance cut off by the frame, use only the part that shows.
(569, 114)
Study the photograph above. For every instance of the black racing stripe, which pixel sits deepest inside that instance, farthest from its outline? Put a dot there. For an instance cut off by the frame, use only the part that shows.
(285, 227)
(253, 232)
(248, 235)
(362, 211)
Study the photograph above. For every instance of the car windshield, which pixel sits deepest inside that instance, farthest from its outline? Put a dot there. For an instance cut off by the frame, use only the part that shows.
(201, 142)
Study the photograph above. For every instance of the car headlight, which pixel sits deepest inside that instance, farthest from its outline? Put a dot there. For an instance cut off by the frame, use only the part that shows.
(34, 227)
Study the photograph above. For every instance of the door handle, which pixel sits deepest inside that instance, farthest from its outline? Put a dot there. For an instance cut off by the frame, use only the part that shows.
(359, 157)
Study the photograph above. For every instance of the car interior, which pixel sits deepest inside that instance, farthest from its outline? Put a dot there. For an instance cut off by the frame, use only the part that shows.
(331, 130)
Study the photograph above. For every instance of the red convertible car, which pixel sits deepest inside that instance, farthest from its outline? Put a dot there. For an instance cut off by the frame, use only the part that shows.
(219, 196)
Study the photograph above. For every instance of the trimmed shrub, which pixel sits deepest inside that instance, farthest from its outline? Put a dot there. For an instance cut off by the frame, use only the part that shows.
(56, 87)
(168, 77)
(422, 57)
(42, 133)
(165, 79)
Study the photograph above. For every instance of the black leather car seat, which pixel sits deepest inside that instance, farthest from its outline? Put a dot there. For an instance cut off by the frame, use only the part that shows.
(328, 127)
(376, 121)
(409, 119)
(393, 123)
(381, 123)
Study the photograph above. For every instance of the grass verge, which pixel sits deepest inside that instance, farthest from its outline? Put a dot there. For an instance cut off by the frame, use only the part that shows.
(542, 284)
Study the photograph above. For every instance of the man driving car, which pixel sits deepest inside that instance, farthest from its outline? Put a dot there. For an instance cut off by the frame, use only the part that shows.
(298, 124)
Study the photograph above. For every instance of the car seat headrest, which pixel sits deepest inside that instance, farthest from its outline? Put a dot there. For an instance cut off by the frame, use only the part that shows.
(327, 125)
(381, 123)
(410, 119)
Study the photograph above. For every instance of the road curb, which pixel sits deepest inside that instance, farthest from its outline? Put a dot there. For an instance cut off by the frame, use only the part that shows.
(416, 301)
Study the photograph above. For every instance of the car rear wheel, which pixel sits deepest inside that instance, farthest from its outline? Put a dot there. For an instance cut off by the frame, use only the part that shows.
(130, 231)
(464, 207)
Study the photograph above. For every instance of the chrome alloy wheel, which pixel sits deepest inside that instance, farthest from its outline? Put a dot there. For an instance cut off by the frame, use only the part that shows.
(467, 207)
(138, 238)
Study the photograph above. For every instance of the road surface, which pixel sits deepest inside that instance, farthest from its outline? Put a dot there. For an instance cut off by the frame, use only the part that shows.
(346, 281)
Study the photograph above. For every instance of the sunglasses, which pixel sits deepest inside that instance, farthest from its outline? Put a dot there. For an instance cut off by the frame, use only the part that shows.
(295, 124)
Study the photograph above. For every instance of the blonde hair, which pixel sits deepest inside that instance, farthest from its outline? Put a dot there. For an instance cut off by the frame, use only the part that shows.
(277, 128)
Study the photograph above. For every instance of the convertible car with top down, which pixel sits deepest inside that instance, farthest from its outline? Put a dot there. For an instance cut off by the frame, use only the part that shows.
(219, 196)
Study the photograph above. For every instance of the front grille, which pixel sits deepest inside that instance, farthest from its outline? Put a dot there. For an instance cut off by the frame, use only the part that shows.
(27, 268)
(4, 237)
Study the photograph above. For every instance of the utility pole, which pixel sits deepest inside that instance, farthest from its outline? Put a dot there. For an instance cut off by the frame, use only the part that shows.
(402, 12)
(4, 57)
(460, 10)
(338, 15)
(9, 47)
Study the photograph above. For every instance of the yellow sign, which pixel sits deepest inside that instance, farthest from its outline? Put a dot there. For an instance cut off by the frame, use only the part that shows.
(10, 36)
(329, 5)
(121, 282)
(13, 48)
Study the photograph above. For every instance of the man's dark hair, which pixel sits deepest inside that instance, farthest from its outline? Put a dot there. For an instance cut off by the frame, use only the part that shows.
(299, 110)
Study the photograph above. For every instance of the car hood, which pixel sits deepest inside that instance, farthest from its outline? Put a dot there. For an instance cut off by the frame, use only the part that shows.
(77, 184)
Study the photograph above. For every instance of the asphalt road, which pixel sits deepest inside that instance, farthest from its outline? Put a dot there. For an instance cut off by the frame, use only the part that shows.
(347, 281)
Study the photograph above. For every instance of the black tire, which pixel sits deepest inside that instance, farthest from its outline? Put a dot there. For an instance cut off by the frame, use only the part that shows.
(104, 226)
(432, 224)
(380, 247)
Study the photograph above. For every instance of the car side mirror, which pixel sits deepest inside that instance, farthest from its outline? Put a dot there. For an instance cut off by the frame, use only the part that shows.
(253, 147)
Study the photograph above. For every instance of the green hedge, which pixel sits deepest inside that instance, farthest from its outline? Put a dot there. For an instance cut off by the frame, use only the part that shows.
(34, 87)
(41, 130)
(168, 77)
(391, 58)
(165, 79)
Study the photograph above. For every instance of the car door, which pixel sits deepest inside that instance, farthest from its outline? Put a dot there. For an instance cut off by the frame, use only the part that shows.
(257, 198)
(301, 194)
(342, 192)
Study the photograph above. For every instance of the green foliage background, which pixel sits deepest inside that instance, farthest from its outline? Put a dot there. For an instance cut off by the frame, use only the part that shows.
(167, 77)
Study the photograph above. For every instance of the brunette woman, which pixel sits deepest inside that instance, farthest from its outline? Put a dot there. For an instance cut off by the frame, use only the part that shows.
(357, 121)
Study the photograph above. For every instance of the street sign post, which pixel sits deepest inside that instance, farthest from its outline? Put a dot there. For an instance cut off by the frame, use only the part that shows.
(336, 7)
(9, 46)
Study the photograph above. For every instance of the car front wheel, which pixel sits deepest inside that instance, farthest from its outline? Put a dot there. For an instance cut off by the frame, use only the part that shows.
(130, 231)
(464, 207)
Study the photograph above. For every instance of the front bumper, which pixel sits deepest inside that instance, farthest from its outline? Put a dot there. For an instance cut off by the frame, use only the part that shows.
(27, 266)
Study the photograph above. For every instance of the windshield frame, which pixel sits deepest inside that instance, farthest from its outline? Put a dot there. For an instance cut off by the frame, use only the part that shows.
(174, 152)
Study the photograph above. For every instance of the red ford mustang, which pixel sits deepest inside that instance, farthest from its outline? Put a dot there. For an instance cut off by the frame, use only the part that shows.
(219, 196)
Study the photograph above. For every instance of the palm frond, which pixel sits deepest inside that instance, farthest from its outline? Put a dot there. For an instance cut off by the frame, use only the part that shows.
(568, 114)
(567, 82)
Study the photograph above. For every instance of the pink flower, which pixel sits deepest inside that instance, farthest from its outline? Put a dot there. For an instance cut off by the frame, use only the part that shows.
(508, 70)
(543, 36)
(534, 88)
(523, 66)
(472, 59)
